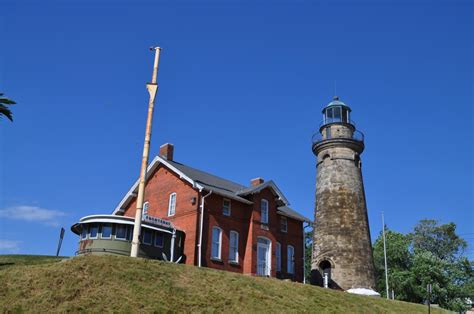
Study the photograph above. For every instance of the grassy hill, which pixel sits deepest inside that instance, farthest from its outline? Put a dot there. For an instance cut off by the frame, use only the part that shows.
(122, 284)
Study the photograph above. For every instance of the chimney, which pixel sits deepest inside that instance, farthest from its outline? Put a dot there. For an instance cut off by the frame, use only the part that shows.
(166, 151)
(256, 181)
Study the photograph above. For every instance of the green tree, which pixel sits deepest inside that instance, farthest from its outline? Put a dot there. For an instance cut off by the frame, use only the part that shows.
(4, 110)
(308, 252)
(431, 254)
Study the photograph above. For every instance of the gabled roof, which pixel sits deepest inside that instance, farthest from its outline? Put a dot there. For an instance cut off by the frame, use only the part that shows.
(258, 188)
(288, 212)
(205, 181)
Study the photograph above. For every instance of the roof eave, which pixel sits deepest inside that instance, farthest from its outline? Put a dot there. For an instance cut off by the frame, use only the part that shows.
(153, 165)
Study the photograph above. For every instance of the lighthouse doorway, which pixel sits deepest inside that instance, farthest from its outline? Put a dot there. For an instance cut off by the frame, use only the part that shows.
(325, 267)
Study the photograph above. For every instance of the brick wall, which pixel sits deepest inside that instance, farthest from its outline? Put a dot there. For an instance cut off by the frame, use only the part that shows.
(157, 192)
(245, 219)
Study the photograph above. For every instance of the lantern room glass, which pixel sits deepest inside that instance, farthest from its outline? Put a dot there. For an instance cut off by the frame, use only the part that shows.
(336, 114)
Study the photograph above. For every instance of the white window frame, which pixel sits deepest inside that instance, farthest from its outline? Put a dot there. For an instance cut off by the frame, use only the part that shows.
(89, 232)
(278, 256)
(219, 251)
(145, 209)
(283, 219)
(157, 235)
(126, 231)
(268, 245)
(290, 262)
(234, 258)
(262, 216)
(172, 204)
(223, 207)
(86, 228)
(151, 237)
(102, 230)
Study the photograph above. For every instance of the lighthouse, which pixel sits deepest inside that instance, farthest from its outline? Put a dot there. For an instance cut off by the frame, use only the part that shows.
(342, 250)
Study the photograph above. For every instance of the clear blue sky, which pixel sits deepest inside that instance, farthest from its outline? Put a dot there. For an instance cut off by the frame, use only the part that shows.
(242, 85)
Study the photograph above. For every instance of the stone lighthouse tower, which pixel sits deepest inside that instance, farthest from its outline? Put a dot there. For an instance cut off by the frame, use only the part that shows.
(342, 250)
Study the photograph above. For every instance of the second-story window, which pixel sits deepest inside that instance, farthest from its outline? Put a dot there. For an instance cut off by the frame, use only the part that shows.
(172, 205)
(226, 207)
(264, 211)
(283, 224)
(145, 209)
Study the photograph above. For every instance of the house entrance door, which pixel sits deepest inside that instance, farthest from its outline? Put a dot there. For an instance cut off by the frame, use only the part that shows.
(263, 257)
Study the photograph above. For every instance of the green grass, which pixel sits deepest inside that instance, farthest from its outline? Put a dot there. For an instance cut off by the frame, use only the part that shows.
(11, 260)
(123, 284)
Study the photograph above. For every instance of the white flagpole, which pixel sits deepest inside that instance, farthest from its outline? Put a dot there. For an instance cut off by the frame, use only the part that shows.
(385, 256)
(152, 90)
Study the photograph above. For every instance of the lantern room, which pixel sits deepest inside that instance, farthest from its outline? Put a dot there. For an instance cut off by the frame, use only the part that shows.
(336, 112)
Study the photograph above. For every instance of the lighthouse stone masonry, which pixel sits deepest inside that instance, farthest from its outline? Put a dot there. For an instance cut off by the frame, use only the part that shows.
(342, 250)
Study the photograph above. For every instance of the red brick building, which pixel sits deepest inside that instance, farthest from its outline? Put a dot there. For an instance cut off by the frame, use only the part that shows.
(245, 229)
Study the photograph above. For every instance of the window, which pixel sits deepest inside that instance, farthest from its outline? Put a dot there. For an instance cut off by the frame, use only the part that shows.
(129, 233)
(337, 114)
(290, 262)
(145, 209)
(278, 255)
(120, 232)
(329, 115)
(226, 207)
(264, 211)
(283, 224)
(159, 239)
(172, 204)
(146, 236)
(345, 115)
(106, 231)
(93, 230)
(216, 243)
(84, 232)
(234, 247)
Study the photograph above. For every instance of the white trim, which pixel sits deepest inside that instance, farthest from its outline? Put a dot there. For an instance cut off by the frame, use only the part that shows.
(153, 165)
(172, 205)
(117, 220)
(219, 257)
(96, 235)
(236, 257)
(125, 235)
(111, 231)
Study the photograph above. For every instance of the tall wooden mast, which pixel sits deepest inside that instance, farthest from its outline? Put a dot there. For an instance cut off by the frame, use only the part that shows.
(152, 88)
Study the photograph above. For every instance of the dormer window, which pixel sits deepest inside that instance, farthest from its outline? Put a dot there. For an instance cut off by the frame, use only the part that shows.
(264, 211)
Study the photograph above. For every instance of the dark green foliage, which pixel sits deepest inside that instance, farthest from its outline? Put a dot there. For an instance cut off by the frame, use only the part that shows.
(431, 254)
(4, 110)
